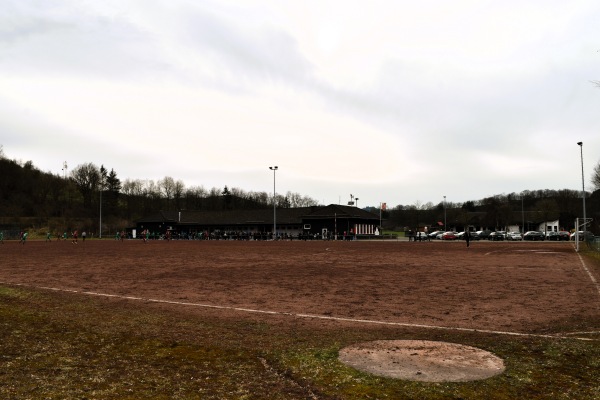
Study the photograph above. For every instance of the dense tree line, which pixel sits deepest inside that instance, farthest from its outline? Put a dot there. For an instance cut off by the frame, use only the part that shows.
(25, 191)
(528, 209)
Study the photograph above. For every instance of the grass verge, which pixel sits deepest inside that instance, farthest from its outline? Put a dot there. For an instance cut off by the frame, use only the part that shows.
(57, 346)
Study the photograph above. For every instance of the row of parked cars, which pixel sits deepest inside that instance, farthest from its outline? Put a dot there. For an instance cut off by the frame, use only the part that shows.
(501, 235)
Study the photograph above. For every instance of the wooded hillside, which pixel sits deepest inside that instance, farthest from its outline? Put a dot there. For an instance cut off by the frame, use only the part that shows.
(32, 198)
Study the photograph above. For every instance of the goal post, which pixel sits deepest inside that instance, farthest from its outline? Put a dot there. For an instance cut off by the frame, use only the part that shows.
(580, 224)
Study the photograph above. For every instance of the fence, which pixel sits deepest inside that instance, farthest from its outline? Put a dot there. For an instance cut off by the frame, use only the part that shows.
(593, 243)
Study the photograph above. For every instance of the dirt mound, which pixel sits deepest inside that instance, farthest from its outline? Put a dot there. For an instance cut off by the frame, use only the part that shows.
(421, 360)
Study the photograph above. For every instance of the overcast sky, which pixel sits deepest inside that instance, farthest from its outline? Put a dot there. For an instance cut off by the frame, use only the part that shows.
(390, 101)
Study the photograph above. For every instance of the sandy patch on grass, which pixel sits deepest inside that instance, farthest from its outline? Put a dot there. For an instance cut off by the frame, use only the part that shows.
(421, 360)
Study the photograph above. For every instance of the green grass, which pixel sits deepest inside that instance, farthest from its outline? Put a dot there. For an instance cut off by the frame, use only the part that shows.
(591, 252)
(396, 233)
(58, 346)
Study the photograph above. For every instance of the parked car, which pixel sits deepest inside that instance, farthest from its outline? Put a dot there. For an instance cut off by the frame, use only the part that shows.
(498, 235)
(533, 235)
(483, 234)
(551, 235)
(462, 236)
(574, 234)
(514, 236)
(449, 235)
(433, 235)
(582, 235)
(421, 237)
(474, 235)
(564, 235)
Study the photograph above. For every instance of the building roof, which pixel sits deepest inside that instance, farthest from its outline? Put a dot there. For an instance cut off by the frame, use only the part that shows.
(262, 216)
(338, 211)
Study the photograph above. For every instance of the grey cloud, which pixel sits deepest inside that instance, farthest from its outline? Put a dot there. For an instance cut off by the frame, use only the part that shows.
(245, 56)
(61, 40)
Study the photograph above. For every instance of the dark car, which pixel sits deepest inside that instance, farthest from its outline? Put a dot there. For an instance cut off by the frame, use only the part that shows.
(482, 235)
(552, 236)
(533, 235)
(473, 236)
(563, 235)
(499, 235)
(463, 236)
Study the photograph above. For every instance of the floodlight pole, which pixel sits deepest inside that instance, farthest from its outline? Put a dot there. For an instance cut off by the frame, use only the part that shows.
(275, 168)
(445, 226)
(582, 185)
(522, 216)
(100, 227)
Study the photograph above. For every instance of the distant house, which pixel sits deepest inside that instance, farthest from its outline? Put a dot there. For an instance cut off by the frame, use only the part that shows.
(324, 221)
(550, 226)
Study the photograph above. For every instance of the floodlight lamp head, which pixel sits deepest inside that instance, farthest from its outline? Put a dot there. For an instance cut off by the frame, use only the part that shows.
(580, 143)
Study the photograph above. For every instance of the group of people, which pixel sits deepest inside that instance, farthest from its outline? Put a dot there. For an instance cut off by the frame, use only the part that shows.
(74, 236)
(146, 235)
(120, 235)
(24, 234)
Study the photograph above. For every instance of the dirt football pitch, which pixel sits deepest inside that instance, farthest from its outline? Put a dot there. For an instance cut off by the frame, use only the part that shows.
(312, 298)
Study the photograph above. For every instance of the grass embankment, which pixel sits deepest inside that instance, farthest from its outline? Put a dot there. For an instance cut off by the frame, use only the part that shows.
(59, 346)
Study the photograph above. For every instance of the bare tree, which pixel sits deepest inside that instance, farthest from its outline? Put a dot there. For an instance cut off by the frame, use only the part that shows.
(178, 191)
(307, 201)
(133, 187)
(596, 177)
(87, 178)
(167, 188)
(194, 196)
(294, 199)
(260, 197)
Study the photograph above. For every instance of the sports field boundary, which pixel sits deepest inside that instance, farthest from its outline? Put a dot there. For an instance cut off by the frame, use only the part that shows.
(591, 276)
(563, 336)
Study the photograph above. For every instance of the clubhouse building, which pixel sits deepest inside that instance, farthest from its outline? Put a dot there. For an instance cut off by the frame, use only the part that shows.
(324, 222)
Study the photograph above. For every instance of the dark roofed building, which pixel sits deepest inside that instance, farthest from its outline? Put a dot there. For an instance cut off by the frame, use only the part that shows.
(340, 219)
(316, 220)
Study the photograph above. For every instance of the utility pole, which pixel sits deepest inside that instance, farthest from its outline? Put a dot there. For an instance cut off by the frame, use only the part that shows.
(274, 169)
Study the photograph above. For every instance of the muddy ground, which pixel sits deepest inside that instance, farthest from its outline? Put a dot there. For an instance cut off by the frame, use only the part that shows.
(516, 287)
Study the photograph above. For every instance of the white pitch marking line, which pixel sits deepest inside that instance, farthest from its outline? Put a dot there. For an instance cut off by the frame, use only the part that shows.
(592, 277)
(315, 316)
(582, 333)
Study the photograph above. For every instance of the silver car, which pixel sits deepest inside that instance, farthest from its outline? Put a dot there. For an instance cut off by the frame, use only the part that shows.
(514, 236)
